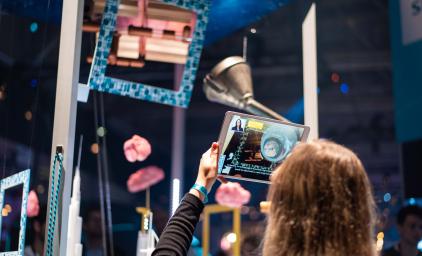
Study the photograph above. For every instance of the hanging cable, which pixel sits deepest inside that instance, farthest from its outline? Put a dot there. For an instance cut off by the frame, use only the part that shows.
(7, 103)
(103, 153)
(3, 141)
(81, 140)
(245, 48)
(35, 105)
(100, 178)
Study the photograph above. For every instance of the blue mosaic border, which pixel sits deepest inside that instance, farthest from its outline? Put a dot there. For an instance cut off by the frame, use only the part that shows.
(54, 203)
(181, 98)
(12, 181)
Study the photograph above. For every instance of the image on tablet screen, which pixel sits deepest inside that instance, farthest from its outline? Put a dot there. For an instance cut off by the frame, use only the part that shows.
(252, 148)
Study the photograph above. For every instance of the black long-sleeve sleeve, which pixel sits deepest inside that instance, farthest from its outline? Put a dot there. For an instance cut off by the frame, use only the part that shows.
(177, 236)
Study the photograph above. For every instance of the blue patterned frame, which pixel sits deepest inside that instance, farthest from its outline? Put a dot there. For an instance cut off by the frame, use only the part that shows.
(6, 183)
(181, 98)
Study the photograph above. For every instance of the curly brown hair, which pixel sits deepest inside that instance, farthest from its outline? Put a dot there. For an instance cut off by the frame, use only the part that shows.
(321, 204)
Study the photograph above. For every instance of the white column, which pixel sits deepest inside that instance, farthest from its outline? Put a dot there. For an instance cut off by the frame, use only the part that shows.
(310, 78)
(65, 108)
(178, 146)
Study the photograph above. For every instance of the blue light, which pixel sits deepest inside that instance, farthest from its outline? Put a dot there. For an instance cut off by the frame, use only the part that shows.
(344, 88)
(420, 245)
(387, 197)
(295, 112)
(33, 27)
(34, 83)
(195, 241)
(318, 90)
(412, 201)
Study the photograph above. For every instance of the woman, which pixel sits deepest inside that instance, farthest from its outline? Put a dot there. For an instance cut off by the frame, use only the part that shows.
(238, 126)
(321, 204)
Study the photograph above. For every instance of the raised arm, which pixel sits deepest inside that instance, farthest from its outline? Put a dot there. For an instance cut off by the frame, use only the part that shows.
(177, 236)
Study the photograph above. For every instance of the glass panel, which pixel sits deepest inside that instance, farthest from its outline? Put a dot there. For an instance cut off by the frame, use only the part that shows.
(28, 71)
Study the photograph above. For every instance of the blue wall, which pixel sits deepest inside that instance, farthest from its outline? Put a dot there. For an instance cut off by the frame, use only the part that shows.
(407, 68)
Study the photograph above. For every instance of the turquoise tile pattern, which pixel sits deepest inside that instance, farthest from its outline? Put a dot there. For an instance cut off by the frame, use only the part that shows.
(56, 187)
(9, 182)
(181, 98)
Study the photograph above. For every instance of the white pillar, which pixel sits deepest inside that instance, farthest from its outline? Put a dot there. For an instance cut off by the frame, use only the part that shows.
(310, 78)
(65, 109)
(178, 146)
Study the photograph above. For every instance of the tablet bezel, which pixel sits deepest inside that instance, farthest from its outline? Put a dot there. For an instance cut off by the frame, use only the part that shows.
(224, 129)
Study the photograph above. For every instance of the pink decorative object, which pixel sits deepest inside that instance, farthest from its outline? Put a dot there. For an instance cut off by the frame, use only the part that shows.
(33, 207)
(157, 25)
(123, 22)
(144, 178)
(136, 149)
(232, 194)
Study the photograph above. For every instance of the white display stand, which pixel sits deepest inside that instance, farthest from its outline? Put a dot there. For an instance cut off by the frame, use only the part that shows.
(147, 238)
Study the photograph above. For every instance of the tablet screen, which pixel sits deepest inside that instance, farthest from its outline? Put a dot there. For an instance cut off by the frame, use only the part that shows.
(252, 148)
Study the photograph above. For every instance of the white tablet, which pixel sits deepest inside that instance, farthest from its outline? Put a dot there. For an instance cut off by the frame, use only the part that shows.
(252, 146)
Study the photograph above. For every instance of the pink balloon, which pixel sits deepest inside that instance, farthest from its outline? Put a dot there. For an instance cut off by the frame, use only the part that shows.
(144, 178)
(33, 206)
(136, 148)
(232, 194)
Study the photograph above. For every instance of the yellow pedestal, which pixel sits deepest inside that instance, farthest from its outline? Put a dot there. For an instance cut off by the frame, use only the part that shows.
(145, 213)
(213, 209)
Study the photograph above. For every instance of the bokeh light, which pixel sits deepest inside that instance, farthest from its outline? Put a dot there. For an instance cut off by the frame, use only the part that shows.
(380, 241)
(387, 197)
(28, 115)
(225, 244)
(6, 210)
(344, 88)
(95, 148)
(2, 92)
(34, 83)
(335, 78)
(101, 131)
(244, 210)
(412, 201)
(231, 237)
(40, 189)
(8, 207)
(33, 27)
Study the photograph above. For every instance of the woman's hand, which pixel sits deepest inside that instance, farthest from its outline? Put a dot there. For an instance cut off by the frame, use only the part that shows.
(207, 171)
